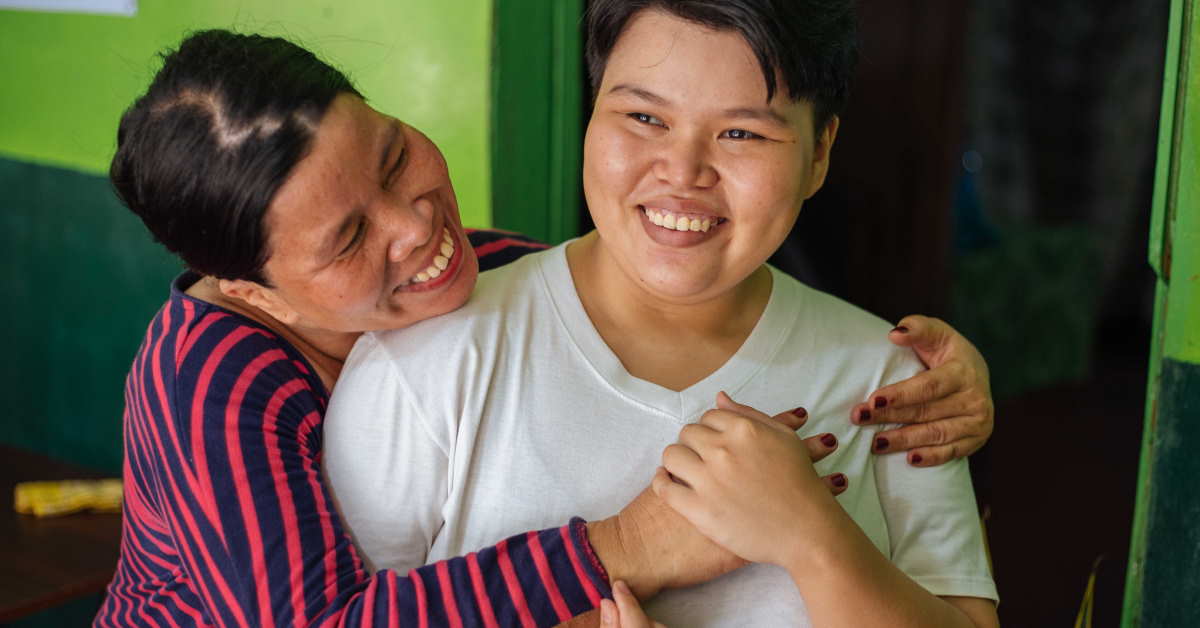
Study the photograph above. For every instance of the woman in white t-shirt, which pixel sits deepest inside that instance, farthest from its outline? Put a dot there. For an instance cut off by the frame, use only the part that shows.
(713, 122)
(556, 387)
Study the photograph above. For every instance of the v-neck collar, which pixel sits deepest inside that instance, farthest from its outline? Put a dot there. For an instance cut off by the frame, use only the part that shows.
(746, 363)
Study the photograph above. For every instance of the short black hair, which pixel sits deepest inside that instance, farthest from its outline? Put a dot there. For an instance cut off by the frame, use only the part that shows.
(201, 154)
(811, 44)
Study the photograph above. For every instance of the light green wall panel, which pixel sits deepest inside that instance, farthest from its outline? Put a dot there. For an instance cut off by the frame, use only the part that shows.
(68, 77)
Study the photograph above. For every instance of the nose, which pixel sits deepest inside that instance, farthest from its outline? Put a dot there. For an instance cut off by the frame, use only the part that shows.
(410, 227)
(685, 162)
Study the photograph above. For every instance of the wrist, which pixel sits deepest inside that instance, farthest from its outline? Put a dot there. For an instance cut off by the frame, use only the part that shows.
(828, 546)
(618, 553)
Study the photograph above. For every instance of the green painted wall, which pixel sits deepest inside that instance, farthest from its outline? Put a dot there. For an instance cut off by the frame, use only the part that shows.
(1161, 585)
(79, 274)
(80, 280)
(68, 77)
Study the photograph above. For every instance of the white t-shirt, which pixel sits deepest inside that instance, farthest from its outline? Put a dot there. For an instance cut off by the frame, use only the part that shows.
(512, 414)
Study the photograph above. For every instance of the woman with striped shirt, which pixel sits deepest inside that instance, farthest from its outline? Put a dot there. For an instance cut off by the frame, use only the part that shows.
(304, 218)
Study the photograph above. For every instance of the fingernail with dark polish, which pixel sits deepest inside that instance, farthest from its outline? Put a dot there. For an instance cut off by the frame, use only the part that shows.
(800, 412)
(916, 459)
(838, 480)
(901, 328)
(881, 444)
(881, 402)
(864, 415)
(829, 440)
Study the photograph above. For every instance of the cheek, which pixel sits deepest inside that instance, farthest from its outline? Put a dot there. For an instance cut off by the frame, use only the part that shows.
(350, 291)
(610, 162)
(774, 189)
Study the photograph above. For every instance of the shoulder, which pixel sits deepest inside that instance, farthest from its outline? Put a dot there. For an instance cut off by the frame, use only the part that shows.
(495, 248)
(448, 351)
(501, 293)
(828, 325)
(220, 354)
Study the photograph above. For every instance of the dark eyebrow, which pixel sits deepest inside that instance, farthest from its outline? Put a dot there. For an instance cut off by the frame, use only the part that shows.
(765, 114)
(393, 135)
(644, 94)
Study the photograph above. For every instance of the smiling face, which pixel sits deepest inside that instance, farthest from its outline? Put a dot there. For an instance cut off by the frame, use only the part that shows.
(692, 177)
(365, 234)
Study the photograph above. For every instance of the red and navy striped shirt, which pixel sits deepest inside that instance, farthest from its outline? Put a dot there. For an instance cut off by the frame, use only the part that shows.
(227, 521)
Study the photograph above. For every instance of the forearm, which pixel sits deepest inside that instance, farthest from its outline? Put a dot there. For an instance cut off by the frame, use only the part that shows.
(846, 581)
(651, 547)
(619, 557)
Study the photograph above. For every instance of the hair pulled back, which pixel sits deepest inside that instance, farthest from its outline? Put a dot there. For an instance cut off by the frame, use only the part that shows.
(201, 154)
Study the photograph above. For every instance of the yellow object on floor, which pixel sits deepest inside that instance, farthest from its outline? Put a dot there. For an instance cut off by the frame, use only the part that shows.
(47, 499)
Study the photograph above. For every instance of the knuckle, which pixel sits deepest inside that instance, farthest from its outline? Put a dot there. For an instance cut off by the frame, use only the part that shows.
(721, 455)
(935, 433)
(960, 370)
(931, 388)
(744, 427)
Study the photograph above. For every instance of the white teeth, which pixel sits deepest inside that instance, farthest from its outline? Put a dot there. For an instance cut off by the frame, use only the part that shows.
(667, 220)
(440, 262)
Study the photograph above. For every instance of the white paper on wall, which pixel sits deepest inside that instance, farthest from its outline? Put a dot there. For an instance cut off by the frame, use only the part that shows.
(110, 7)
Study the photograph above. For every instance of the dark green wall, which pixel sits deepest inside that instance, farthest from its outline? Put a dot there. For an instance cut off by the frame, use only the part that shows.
(80, 278)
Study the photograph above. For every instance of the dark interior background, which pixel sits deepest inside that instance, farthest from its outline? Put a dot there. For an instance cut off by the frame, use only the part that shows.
(994, 168)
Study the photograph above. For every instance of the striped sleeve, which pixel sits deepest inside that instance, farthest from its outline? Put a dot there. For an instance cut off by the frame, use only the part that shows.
(228, 521)
(496, 248)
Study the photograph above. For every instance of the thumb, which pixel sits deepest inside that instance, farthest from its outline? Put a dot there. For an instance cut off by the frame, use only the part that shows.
(725, 402)
(928, 337)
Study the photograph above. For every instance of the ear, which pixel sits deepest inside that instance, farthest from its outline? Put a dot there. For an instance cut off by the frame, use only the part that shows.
(821, 155)
(260, 297)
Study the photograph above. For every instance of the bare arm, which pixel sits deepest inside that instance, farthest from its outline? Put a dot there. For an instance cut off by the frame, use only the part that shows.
(751, 488)
(652, 547)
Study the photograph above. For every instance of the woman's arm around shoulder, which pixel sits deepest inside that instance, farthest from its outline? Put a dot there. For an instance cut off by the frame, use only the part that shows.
(239, 468)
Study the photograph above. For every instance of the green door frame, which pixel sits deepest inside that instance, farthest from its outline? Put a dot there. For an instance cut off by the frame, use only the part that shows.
(1162, 588)
(536, 138)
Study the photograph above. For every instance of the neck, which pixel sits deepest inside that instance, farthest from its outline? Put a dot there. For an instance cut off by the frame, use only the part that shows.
(325, 350)
(693, 338)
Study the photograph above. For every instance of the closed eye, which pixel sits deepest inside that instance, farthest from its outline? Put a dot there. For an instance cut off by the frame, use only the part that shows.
(401, 160)
(646, 118)
(354, 240)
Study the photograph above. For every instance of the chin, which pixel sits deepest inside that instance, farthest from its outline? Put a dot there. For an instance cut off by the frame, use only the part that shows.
(674, 287)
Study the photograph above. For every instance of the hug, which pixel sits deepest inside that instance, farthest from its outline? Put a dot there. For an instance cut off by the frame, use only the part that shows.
(343, 415)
